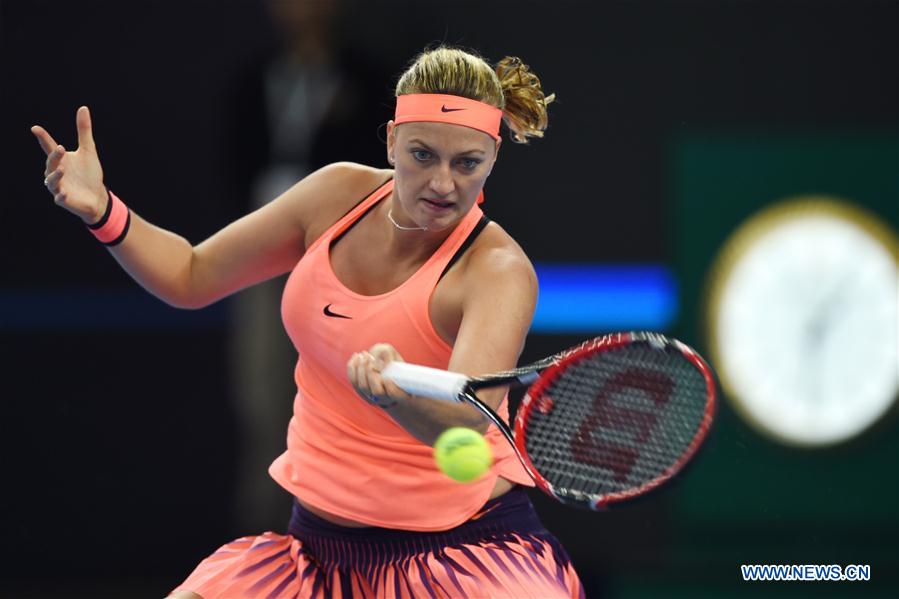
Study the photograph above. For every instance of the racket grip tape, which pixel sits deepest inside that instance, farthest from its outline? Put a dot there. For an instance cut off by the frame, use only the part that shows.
(425, 381)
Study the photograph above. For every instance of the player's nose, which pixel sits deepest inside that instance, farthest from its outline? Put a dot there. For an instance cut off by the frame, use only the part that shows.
(442, 182)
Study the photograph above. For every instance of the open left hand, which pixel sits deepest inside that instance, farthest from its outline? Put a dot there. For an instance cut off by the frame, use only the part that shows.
(75, 179)
(364, 371)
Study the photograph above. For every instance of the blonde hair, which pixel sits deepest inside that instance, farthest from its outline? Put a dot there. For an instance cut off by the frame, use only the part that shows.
(510, 86)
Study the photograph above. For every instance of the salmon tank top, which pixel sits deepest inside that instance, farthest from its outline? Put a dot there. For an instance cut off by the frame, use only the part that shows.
(344, 455)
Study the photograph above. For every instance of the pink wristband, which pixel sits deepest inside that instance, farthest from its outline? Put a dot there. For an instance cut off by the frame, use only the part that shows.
(113, 226)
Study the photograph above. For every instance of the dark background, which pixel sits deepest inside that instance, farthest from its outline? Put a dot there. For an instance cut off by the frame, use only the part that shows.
(118, 434)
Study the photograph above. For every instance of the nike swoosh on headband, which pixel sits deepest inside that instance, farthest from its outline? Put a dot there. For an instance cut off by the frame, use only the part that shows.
(328, 312)
(447, 108)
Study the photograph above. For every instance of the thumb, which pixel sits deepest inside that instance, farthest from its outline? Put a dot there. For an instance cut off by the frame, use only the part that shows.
(85, 132)
(384, 354)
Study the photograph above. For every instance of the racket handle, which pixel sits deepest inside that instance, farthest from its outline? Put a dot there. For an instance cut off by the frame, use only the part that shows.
(425, 381)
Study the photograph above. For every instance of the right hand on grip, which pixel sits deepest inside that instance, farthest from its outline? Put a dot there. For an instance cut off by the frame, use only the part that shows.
(75, 179)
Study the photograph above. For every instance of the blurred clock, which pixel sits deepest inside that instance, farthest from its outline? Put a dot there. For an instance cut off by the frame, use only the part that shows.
(803, 319)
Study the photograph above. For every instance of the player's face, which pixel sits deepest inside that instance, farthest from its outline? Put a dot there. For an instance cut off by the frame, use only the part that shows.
(440, 170)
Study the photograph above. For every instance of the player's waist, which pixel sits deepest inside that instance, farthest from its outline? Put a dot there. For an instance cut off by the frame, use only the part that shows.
(510, 513)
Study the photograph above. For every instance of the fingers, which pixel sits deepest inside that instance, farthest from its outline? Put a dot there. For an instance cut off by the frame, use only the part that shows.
(385, 393)
(351, 369)
(373, 375)
(384, 354)
(364, 372)
(355, 370)
(47, 143)
(52, 181)
(365, 375)
(85, 131)
(53, 159)
(391, 389)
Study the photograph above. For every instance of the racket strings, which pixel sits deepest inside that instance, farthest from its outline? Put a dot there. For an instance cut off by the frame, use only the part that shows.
(620, 419)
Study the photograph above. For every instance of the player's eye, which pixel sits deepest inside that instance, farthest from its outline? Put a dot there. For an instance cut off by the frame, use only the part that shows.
(469, 163)
(421, 155)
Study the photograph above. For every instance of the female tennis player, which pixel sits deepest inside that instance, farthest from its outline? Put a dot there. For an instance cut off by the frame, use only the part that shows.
(386, 264)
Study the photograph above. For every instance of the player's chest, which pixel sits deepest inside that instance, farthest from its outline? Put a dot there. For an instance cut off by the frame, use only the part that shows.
(365, 271)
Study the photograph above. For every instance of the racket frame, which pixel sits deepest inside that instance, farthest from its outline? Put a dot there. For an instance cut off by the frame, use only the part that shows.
(531, 401)
(539, 375)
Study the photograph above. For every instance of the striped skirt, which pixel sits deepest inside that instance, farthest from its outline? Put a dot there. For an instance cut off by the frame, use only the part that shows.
(503, 551)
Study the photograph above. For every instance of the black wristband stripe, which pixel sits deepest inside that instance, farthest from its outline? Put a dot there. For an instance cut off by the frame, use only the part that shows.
(106, 214)
(121, 237)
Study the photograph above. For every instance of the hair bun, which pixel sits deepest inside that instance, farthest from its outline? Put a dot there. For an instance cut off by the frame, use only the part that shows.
(525, 103)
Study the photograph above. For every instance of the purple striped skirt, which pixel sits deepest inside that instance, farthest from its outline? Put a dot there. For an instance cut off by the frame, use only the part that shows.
(502, 551)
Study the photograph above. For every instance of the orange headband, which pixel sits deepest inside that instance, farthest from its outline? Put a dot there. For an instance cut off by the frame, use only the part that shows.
(443, 108)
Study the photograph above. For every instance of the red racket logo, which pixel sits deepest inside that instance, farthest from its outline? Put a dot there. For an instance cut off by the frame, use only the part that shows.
(620, 459)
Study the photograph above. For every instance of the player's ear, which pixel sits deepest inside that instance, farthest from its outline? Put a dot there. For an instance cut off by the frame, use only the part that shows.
(391, 142)
(495, 154)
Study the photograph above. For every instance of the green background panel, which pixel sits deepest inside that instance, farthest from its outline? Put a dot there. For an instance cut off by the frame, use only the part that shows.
(746, 498)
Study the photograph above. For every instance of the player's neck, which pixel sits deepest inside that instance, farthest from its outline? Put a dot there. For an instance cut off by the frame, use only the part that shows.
(405, 241)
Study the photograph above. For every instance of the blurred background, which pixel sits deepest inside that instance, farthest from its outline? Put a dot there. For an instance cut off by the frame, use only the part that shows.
(136, 437)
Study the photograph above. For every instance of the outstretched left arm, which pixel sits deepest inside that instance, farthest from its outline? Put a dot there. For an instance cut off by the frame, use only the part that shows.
(497, 307)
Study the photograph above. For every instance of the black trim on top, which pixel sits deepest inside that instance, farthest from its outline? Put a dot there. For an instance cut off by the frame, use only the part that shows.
(466, 244)
(106, 213)
(124, 232)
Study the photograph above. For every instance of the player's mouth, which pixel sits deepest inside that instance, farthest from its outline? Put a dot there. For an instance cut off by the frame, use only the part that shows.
(437, 205)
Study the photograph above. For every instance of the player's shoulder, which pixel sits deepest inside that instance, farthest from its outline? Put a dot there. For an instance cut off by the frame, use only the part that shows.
(334, 190)
(496, 257)
(343, 182)
(353, 172)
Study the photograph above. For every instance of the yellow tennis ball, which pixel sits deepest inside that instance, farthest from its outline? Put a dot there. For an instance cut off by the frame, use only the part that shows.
(462, 454)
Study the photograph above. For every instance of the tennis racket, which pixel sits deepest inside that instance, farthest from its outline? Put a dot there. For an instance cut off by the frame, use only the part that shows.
(606, 421)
